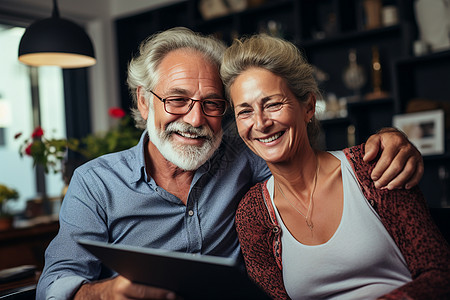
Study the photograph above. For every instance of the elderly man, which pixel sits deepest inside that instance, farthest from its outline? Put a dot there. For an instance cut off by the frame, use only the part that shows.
(179, 187)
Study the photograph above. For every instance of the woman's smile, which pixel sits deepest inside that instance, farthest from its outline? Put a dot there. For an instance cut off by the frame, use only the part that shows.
(271, 138)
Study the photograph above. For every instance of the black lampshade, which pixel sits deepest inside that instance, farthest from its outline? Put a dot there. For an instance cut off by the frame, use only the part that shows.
(56, 42)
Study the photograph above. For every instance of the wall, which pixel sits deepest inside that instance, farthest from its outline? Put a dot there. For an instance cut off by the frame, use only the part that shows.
(98, 18)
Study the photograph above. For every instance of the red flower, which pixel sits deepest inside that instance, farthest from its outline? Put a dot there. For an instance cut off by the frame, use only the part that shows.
(116, 112)
(17, 135)
(38, 132)
(28, 149)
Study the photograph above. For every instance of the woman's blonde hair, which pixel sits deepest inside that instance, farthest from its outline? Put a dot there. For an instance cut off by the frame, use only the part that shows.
(278, 56)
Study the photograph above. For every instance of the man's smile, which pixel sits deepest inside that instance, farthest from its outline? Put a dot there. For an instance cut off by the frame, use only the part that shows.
(189, 135)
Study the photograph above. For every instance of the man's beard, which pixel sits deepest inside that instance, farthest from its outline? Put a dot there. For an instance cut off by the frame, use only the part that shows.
(186, 157)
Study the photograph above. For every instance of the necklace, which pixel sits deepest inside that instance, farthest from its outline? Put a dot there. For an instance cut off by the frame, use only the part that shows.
(308, 214)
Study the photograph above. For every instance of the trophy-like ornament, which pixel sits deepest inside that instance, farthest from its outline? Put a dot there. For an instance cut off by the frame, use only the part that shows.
(378, 92)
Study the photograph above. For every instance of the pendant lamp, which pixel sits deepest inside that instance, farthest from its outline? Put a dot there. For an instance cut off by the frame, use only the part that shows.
(56, 42)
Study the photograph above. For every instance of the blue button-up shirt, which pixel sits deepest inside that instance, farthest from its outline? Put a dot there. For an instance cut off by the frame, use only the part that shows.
(111, 199)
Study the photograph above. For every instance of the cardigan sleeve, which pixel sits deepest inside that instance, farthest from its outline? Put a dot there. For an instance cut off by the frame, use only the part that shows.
(256, 234)
(405, 215)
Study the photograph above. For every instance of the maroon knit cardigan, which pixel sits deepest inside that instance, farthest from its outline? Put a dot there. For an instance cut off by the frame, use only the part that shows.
(404, 214)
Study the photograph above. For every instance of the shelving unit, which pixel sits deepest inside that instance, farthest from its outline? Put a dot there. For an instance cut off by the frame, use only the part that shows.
(427, 78)
(325, 31)
(422, 77)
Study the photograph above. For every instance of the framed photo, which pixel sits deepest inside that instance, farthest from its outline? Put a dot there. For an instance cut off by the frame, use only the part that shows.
(424, 129)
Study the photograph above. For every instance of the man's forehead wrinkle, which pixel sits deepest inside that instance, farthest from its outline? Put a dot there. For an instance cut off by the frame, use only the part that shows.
(174, 69)
(179, 90)
(200, 79)
(180, 71)
(183, 74)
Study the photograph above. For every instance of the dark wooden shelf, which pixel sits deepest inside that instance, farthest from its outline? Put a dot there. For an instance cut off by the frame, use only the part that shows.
(353, 35)
(441, 157)
(26, 246)
(335, 121)
(424, 59)
(369, 103)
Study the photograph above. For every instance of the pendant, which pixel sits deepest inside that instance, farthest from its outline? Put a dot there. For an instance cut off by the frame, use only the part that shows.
(310, 224)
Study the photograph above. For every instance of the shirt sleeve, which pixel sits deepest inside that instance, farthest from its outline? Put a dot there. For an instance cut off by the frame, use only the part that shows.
(259, 168)
(63, 288)
(67, 264)
(261, 171)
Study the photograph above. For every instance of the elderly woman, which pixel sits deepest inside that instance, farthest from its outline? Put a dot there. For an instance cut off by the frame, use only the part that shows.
(318, 228)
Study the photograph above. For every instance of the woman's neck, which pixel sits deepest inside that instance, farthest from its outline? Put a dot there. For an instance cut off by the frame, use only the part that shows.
(297, 173)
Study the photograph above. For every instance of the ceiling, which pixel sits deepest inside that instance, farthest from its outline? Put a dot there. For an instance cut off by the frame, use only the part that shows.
(82, 10)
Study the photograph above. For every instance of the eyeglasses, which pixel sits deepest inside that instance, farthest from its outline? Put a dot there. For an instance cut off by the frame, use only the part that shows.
(177, 105)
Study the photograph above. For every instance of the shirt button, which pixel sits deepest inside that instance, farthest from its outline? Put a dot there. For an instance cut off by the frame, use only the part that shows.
(191, 212)
(276, 229)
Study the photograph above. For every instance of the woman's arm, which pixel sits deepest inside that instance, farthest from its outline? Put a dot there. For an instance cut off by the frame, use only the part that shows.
(257, 234)
(427, 253)
(406, 217)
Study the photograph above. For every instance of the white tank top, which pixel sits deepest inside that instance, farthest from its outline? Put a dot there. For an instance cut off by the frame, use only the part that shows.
(360, 261)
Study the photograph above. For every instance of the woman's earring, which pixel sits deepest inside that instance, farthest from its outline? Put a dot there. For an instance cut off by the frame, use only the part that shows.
(310, 120)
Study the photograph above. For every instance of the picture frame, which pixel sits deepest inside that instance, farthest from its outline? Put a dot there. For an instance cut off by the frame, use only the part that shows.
(424, 129)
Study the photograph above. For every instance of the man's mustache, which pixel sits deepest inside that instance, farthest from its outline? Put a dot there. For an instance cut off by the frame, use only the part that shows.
(182, 127)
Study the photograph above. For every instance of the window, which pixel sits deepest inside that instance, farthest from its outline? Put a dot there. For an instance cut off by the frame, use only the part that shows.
(22, 108)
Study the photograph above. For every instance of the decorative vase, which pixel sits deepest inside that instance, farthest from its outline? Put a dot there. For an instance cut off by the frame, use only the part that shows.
(354, 77)
(433, 20)
(372, 9)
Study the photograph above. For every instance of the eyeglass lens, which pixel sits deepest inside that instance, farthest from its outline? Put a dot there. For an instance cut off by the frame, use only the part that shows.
(210, 107)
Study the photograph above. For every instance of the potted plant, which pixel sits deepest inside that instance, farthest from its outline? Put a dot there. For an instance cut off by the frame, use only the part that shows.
(50, 152)
(121, 136)
(6, 194)
(45, 151)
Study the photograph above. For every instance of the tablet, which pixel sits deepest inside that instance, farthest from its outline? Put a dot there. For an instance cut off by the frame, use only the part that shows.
(192, 276)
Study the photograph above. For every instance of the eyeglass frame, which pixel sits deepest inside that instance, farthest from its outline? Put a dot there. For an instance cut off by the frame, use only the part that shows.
(191, 105)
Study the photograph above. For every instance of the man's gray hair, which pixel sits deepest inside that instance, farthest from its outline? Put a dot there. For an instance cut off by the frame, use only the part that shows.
(143, 68)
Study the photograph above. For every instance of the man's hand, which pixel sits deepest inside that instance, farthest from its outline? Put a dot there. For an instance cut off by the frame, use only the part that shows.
(400, 164)
(121, 288)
